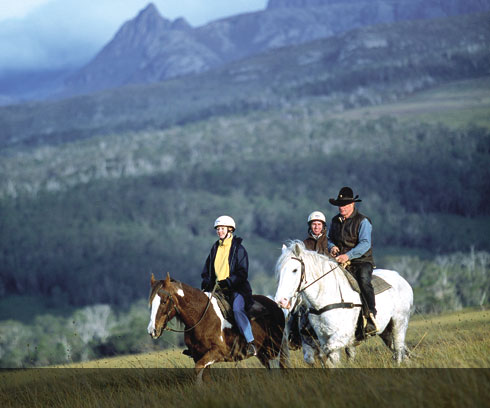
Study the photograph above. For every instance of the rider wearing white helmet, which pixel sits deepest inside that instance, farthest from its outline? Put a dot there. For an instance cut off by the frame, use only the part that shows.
(227, 264)
(316, 241)
(317, 237)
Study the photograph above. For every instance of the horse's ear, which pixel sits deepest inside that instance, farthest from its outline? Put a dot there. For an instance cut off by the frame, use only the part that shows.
(152, 280)
(296, 250)
(167, 279)
(284, 248)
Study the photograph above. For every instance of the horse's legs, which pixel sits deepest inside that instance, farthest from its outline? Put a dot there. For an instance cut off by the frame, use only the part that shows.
(309, 354)
(399, 331)
(333, 358)
(387, 336)
(284, 353)
(350, 351)
(205, 361)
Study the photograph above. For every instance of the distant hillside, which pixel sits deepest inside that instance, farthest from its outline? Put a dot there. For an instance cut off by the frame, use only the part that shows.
(88, 221)
(359, 68)
(150, 48)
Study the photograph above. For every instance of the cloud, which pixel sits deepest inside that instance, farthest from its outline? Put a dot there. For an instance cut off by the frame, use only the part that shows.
(42, 34)
(18, 9)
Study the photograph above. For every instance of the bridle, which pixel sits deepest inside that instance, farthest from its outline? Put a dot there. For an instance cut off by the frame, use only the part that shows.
(174, 306)
(342, 304)
(303, 275)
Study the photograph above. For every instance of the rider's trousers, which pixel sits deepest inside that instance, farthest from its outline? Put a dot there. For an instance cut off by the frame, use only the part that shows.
(363, 272)
(241, 317)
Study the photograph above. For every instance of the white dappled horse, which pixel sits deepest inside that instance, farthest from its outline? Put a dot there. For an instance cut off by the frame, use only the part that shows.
(298, 270)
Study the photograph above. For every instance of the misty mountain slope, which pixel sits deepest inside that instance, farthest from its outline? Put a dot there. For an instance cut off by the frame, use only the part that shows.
(362, 67)
(150, 48)
(197, 147)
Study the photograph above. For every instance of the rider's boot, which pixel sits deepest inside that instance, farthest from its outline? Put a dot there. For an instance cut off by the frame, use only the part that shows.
(370, 325)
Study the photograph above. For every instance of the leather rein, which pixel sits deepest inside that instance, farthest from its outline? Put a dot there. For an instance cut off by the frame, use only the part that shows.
(340, 305)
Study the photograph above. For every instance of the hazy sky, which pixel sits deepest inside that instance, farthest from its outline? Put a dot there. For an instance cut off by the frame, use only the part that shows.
(57, 33)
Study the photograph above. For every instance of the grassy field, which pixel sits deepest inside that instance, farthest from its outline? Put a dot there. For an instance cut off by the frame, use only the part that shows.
(456, 104)
(449, 368)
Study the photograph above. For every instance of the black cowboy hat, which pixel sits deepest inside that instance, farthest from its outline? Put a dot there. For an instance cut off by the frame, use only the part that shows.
(346, 196)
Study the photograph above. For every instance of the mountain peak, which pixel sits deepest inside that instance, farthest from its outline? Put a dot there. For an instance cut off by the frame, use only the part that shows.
(149, 16)
(149, 10)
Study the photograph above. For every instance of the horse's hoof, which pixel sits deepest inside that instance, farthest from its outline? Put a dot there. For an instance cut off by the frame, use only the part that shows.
(250, 351)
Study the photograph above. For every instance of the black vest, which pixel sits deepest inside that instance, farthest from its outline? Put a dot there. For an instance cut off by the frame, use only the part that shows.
(345, 235)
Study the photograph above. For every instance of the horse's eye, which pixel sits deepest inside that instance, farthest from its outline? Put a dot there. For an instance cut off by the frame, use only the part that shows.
(295, 270)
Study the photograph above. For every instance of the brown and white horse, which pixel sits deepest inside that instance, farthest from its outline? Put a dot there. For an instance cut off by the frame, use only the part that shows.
(209, 337)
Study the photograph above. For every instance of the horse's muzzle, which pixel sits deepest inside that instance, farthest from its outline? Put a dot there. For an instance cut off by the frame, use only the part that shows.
(155, 334)
(284, 303)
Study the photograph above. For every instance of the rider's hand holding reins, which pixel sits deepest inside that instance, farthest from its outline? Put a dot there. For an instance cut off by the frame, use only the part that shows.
(224, 285)
(343, 260)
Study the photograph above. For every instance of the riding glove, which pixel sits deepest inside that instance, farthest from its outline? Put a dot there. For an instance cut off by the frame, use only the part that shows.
(223, 284)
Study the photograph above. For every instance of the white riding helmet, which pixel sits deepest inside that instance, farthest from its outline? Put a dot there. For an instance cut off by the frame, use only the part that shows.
(224, 221)
(317, 216)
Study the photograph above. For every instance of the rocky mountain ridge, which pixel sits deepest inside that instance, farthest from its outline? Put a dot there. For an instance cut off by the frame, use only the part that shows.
(151, 48)
(359, 68)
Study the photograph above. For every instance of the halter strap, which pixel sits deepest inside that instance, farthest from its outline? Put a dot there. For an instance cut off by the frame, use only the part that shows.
(303, 275)
(177, 310)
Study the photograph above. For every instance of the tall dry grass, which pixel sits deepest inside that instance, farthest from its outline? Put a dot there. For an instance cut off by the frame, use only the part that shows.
(449, 368)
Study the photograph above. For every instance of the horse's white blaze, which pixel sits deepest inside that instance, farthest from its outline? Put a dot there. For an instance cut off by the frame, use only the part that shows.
(225, 324)
(155, 304)
(180, 292)
(288, 283)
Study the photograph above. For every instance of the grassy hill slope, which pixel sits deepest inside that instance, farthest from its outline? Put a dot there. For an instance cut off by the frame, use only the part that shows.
(447, 341)
(455, 104)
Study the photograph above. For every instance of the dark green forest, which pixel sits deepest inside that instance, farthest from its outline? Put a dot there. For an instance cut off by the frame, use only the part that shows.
(424, 187)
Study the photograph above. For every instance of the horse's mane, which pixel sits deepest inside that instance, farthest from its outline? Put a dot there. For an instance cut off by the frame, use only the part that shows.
(313, 258)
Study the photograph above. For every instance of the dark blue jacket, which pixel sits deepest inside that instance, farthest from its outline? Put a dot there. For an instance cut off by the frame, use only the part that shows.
(238, 279)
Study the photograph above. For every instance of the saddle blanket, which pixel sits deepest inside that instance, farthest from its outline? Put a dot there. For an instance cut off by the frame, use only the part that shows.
(225, 306)
(379, 284)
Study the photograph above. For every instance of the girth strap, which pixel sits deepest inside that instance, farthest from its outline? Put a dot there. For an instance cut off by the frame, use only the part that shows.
(342, 305)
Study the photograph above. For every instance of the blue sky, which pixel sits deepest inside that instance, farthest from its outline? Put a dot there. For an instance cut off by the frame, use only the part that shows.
(51, 34)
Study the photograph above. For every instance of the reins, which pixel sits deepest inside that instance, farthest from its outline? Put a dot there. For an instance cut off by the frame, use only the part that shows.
(303, 275)
(342, 304)
(177, 311)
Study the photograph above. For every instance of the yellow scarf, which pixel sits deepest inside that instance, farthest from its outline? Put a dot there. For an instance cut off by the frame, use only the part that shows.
(221, 264)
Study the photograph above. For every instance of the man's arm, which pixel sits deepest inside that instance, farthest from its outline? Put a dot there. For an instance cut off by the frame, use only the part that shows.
(364, 244)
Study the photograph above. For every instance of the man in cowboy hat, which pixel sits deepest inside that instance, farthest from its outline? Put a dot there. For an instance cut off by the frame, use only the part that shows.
(349, 239)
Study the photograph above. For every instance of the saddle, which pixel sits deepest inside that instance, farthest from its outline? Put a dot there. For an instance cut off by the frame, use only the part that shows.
(226, 307)
(379, 284)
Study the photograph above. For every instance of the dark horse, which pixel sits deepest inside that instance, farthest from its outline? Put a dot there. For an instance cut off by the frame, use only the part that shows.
(209, 337)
